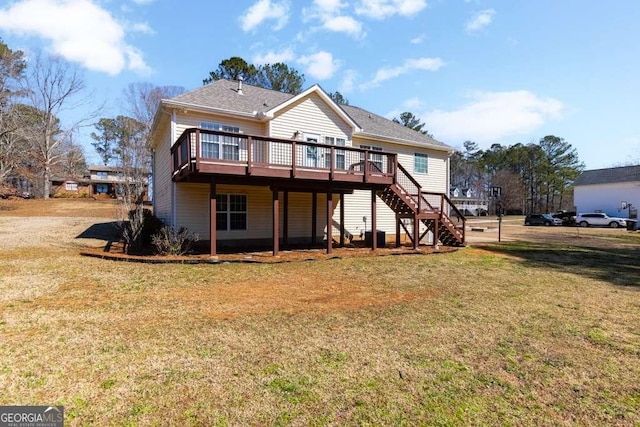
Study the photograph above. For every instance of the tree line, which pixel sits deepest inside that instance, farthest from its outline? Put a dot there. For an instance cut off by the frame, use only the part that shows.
(533, 178)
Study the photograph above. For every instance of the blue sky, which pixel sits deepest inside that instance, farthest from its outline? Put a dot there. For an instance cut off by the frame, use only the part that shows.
(481, 70)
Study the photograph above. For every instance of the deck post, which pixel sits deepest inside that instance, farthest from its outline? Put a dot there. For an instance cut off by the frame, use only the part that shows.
(285, 219)
(314, 216)
(374, 221)
(276, 221)
(329, 223)
(398, 230)
(212, 218)
(416, 231)
(341, 219)
(436, 231)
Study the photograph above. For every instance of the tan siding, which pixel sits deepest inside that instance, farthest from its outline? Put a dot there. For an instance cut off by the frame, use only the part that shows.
(162, 177)
(193, 211)
(194, 120)
(311, 115)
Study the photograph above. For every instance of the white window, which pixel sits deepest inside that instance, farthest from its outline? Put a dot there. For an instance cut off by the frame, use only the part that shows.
(311, 153)
(339, 161)
(219, 146)
(71, 186)
(420, 163)
(375, 158)
(231, 212)
(102, 175)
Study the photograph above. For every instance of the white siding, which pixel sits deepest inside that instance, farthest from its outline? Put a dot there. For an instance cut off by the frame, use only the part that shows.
(607, 197)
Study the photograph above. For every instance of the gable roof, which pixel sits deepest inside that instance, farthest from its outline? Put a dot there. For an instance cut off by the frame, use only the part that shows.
(223, 96)
(609, 176)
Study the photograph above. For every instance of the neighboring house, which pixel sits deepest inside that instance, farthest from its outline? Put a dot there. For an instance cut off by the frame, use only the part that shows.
(467, 202)
(614, 191)
(106, 181)
(70, 187)
(246, 166)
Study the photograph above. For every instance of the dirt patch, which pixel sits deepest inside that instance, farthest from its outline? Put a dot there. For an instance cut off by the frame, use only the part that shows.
(59, 208)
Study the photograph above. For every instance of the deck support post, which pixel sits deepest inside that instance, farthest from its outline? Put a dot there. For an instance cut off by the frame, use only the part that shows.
(329, 223)
(436, 231)
(212, 218)
(374, 221)
(276, 221)
(341, 219)
(314, 216)
(398, 230)
(285, 219)
(416, 231)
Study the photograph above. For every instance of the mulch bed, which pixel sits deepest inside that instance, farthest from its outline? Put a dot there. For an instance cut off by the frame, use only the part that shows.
(115, 252)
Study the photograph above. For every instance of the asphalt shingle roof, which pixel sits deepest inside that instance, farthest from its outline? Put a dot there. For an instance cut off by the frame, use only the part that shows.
(223, 94)
(609, 176)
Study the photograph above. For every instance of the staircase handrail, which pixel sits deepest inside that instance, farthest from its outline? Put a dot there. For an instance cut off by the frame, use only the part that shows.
(416, 196)
(457, 211)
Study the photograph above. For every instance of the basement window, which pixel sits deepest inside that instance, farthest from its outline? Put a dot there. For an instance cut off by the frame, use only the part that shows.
(231, 212)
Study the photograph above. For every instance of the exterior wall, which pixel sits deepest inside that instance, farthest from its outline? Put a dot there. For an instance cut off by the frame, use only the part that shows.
(194, 120)
(358, 204)
(607, 197)
(192, 212)
(309, 115)
(162, 185)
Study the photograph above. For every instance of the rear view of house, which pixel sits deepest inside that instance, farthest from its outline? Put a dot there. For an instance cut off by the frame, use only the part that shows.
(245, 166)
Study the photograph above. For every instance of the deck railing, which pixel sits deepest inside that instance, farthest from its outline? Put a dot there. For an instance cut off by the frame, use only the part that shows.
(203, 149)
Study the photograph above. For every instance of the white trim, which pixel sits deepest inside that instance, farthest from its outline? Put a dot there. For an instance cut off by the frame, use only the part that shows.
(374, 137)
(174, 204)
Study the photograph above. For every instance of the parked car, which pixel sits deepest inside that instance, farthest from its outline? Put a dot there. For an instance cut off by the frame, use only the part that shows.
(541, 219)
(567, 217)
(598, 219)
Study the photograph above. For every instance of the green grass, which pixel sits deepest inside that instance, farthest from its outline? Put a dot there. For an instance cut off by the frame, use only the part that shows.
(510, 334)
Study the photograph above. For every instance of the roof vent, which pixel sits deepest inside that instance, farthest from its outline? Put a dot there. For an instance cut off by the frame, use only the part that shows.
(240, 79)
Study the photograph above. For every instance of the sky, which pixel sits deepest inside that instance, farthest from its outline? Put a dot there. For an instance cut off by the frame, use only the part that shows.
(493, 72)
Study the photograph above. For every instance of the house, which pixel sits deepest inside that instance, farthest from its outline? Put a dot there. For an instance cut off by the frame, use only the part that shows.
(71, 187)
(614, 191)
(106, 181)
(467, 203)
(245, 166)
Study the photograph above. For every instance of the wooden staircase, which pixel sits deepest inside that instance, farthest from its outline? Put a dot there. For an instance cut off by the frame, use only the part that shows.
(407, 199)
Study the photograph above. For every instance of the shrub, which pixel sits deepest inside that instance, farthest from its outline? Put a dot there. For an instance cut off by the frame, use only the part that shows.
(168, 241)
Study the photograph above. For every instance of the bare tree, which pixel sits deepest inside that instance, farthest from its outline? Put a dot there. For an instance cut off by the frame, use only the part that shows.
(54, 87)
(141, 100)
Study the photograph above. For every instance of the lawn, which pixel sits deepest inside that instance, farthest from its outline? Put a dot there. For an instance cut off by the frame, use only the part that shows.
(541, 329)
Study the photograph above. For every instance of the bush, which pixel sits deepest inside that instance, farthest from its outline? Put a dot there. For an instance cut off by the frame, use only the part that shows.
(168, 241)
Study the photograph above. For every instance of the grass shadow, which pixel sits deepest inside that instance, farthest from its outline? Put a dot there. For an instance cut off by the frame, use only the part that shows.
(619, 266)
(107, 231)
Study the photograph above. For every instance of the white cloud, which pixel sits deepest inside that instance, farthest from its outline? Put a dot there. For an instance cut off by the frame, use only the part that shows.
(328, 13)
(264, 10)
(272, 57)
(480, 20)
(417, 40)
(78, 30)
(142, 27)
(320, 65)
(380, 9)
(348, 83)
(427, 64)
(143, 1)
(492, 116)
(344, 24)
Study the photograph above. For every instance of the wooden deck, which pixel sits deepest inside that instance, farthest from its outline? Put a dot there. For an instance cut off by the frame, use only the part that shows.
(221, 157)
(201, 153)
